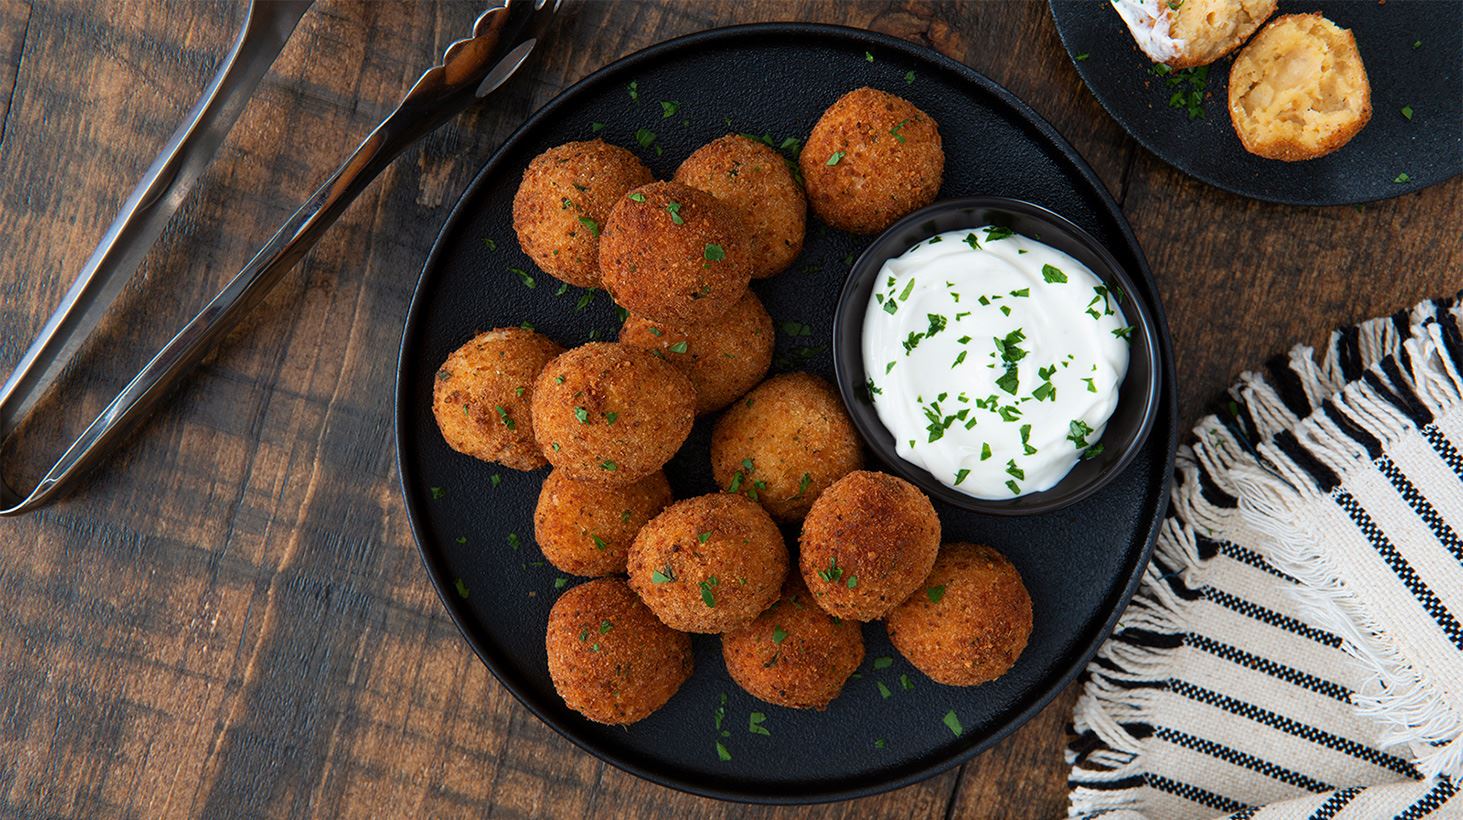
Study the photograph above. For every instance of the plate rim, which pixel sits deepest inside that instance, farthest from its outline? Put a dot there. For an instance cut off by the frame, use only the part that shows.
(431, 561)
(1207, 179)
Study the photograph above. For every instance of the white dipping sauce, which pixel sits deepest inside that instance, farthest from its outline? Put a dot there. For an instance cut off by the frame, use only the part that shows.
(994, 360)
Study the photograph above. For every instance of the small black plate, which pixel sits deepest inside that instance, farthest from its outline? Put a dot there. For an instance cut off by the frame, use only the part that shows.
(1427, 78)
(1081, 564)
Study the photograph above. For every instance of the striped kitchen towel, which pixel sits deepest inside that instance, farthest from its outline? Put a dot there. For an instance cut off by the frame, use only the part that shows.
(1295, 650)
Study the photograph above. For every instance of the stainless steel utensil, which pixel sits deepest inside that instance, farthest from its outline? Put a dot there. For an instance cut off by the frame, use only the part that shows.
(471, 68)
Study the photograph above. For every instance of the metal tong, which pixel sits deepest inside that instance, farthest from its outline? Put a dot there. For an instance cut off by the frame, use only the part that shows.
(502, 39)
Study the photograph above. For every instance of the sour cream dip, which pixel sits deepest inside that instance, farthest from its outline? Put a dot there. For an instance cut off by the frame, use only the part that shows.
(994, 360)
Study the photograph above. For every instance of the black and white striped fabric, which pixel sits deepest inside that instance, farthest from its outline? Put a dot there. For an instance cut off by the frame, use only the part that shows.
(1295, 650)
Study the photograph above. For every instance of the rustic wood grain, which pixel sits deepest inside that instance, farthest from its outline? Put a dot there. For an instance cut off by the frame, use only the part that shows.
(230, 618)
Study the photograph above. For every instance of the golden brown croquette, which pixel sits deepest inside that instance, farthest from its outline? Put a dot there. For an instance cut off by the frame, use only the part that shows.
(611, 413)
(871, 158)
(708, 564)
(754, 181)
(724, 357)
(610, 658)
(867, 543)
(671, 253)
(563, 201)
(483, 393)
(586, 528)
(784, 444)
(794, 654)
(968, 622)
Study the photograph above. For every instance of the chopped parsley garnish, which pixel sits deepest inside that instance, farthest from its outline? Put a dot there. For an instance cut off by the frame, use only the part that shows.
(836, 156)
(908, 289)
(959, 359)
(645, 137)
(514, 540)
(896, 129)
(754, 724)
(703, 537)
(868, 56)
(1401, 178)
(879, 742)
(909, 75)
(524, 277)
(668, 109)
(662, 576)
(636, 196)
(634, 89)
(609, 466)
(1013, 486)
(706, 595)
(599, 543)
(996, 232)
(679, 347)
(985, 451)
(438, 493)
(1091, 385)
(611, 417)
(605, 626)
(778, 634)
(461, 588)
(590, 224)
(935, 593)
(1082, 58)
(1077, 433)
(1124, 332)
(1022, 292)
(803, 485)
(1053, 274)
(1407, 112)
(675, 211)
(883, 690)
(833, 573)
(1044, 391)
(581, 414)
(505, 418)
(952, 722)
(972, 241)
(1014, 471)
(721, 751)
(491, 244)
(560, 583)
(1009, 381)
(1092, 452)
(1026, 440)
(495, 479)
(596, 127)
(714, 253)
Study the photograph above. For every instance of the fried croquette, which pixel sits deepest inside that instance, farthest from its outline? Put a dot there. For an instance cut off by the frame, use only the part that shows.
(871, 158)
(754, 181)
(483, 394)
(724, 358)
(794, 654)
(1191, 33)
(586, 528)
(867, 543)
(708, 564)
(610, 658)
(671, 253)
(1299, 90)
(784, 444)
(563, 201)
(968, 622)
(611, 413)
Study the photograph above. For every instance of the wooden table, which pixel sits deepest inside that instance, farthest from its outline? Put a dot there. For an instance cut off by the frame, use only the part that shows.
(230, 617)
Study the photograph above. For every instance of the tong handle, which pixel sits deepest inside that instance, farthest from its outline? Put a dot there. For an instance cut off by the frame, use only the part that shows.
(503, 37)
(152, 202)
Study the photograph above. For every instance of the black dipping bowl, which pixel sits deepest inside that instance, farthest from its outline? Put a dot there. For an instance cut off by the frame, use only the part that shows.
(1137, 398)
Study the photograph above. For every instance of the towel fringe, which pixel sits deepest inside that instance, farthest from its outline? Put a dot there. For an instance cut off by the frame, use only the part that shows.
(1269, 458)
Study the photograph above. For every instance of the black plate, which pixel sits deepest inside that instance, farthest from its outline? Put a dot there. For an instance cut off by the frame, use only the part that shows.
(1081, 564)
(1428, 148)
